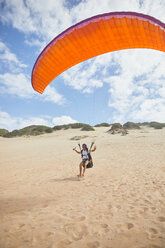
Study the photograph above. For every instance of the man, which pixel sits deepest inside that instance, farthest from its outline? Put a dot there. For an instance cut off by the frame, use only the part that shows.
(85, 158)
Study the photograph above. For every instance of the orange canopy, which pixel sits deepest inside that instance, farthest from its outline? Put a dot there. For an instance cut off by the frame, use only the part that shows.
(94, 36)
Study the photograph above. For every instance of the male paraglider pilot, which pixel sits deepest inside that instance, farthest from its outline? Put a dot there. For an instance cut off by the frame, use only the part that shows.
(86, 158)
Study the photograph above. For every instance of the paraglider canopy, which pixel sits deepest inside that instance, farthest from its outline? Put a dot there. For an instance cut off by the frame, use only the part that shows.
(94, 36)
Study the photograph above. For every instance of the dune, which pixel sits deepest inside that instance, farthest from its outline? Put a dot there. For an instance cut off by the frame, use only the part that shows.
(120, 203)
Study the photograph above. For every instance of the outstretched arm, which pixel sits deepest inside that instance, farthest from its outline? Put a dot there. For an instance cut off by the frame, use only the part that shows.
(94, 149)
(74, 149)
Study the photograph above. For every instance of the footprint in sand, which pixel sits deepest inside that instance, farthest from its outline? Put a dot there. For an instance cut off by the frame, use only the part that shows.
(105, 228)
(145, 209)
(155, 246)
(78, 219)
(99, 230)
(109, 206)
(116, 208)
(131, 207)
(45, 206)
(76, 231)
(95, 244)
(130, 226)
(152, 233)
(151, 246)
(41, 236)
(147, 202)
(124, 227)
(21, 226)
(63, 244)
(161, 219)
(153, 230)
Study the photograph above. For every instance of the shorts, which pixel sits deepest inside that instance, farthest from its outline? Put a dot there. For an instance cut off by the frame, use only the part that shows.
(84, 161)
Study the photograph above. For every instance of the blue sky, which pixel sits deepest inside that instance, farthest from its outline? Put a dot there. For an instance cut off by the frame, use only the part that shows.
(121, 86)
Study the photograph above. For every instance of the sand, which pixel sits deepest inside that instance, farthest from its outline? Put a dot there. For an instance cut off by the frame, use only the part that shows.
(120, 203)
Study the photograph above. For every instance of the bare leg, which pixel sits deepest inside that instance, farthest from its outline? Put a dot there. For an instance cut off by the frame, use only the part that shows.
(85, 166)
(81, 164)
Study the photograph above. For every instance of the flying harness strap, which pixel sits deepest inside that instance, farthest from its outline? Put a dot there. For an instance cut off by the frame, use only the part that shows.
(90, 164)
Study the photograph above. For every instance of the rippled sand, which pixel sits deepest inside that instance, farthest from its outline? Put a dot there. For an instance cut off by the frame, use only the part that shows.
(119, 204)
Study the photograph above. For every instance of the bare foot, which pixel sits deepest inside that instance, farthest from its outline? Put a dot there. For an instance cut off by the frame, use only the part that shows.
(79, 175)
(83, 175)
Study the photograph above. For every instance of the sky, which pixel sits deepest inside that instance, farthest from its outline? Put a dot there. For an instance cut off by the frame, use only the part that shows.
(121, 86)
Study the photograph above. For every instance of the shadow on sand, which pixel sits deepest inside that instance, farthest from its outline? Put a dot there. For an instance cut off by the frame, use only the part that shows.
(66, 179)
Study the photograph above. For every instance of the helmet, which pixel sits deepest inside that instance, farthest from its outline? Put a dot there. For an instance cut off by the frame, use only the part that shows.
(84, 145)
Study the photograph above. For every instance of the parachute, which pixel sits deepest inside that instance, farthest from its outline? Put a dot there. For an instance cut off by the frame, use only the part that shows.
(95, 36)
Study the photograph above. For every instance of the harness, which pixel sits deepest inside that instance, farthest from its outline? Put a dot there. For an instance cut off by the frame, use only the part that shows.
(90, 164)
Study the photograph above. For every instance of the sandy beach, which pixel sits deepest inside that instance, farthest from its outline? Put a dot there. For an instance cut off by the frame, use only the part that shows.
(120, 203)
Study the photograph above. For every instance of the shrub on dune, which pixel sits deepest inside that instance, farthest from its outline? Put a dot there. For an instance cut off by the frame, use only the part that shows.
(157, 125)
(87, 128)
(131, 125)
(84, 127)
(3, 132)
(33, 130)
(117, 128)
(104, 124)
(79, 137)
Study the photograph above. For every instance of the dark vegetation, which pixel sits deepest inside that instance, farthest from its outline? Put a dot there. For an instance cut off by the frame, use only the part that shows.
(3, 132)
(156, 125)
(84, 127)
(131, 125)
(67, 126)
(87, 128)
(79, 137)
(115, 128)
(35, 130)
(104, 124)
(118, 128)
(29, 131)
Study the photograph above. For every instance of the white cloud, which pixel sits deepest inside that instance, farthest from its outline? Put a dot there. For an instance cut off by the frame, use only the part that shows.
(63, 120)
(7, 57)
(6, 121)
(137, 77)
(40, 17)
(38, 43)
(94, 7)
(161, 91)
(16, 84)
(140, 79)
(10, 123)
(46, 19)
(151, 110)
(51, 95)
(19, 85)
(89, 74)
